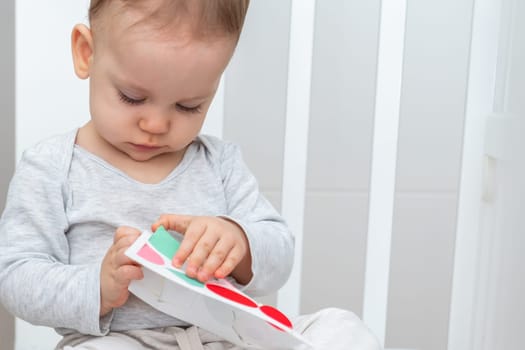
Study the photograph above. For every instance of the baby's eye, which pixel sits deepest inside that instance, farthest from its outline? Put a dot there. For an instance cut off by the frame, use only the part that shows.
(131, 101)
(195, 109)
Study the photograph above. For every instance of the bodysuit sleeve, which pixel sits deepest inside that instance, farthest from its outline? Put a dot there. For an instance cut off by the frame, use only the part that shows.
(37, 283)
(271, 242)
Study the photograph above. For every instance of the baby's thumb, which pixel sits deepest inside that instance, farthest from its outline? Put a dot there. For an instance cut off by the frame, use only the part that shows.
(173, 222)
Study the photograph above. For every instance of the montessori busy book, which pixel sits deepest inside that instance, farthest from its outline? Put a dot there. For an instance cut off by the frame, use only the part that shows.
(216, 306)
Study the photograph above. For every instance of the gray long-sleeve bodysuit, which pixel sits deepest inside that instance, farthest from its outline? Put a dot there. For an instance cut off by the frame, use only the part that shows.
(64, 205)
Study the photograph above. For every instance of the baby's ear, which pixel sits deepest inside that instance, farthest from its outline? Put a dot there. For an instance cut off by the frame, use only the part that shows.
(82, 49)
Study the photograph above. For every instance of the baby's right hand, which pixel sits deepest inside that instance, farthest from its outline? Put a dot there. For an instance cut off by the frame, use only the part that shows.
(118, 271)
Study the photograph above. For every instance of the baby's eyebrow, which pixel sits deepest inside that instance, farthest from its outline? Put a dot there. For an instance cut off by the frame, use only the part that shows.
(123, 82)
(194, 99)
(121, 79)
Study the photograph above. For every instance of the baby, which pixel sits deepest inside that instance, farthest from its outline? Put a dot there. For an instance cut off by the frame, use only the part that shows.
(77, 201)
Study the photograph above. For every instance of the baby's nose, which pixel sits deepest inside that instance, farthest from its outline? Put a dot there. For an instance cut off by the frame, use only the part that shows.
(155, 125)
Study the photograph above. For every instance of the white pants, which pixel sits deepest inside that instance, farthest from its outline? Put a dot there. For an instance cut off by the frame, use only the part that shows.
(328, 329)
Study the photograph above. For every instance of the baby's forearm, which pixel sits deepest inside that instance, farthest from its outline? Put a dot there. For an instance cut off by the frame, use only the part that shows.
(52, 294)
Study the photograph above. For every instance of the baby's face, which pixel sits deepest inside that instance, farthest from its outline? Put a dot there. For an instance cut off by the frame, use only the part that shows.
(149, 92)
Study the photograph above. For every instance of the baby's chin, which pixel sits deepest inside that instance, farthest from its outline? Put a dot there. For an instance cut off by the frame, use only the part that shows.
(144, 158)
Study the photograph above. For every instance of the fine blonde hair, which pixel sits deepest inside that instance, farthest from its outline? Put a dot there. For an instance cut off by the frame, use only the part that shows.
(210, 17)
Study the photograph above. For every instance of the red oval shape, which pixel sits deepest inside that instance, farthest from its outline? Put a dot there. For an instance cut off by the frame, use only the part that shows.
(274, 326)
(276, 315)
(230, 294)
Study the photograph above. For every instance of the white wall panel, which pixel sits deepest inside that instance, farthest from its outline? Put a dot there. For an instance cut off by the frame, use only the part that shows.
(343, 95)
(341, 122)
(334, 250)
(214, 123)
(429, 158)
(422, 260)
(434, 93)
(49, 97)
(255, 91)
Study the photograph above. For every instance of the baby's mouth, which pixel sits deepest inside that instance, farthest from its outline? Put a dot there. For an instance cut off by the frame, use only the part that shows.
(142, 147)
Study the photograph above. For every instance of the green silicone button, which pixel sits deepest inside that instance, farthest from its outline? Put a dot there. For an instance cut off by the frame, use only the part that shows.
(186, 278)
(164, 242)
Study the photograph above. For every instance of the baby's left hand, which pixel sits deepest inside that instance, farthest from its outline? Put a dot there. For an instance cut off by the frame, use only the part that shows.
(213, 246)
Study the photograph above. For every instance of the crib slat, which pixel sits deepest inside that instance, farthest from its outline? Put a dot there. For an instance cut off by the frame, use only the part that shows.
(384, 157)
(296, 141)
(492, 23)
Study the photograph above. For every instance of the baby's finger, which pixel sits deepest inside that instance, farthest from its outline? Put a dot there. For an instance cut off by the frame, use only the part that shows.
(126, 241)
(174, 222)
(125, 231)
(201, 253)
(127, 273)
(215, 259)
(192, 236)
(230, 263)
(122, 259)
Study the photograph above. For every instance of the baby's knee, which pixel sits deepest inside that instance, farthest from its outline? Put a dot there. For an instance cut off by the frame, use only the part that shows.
(348, 327)
(336, 315)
